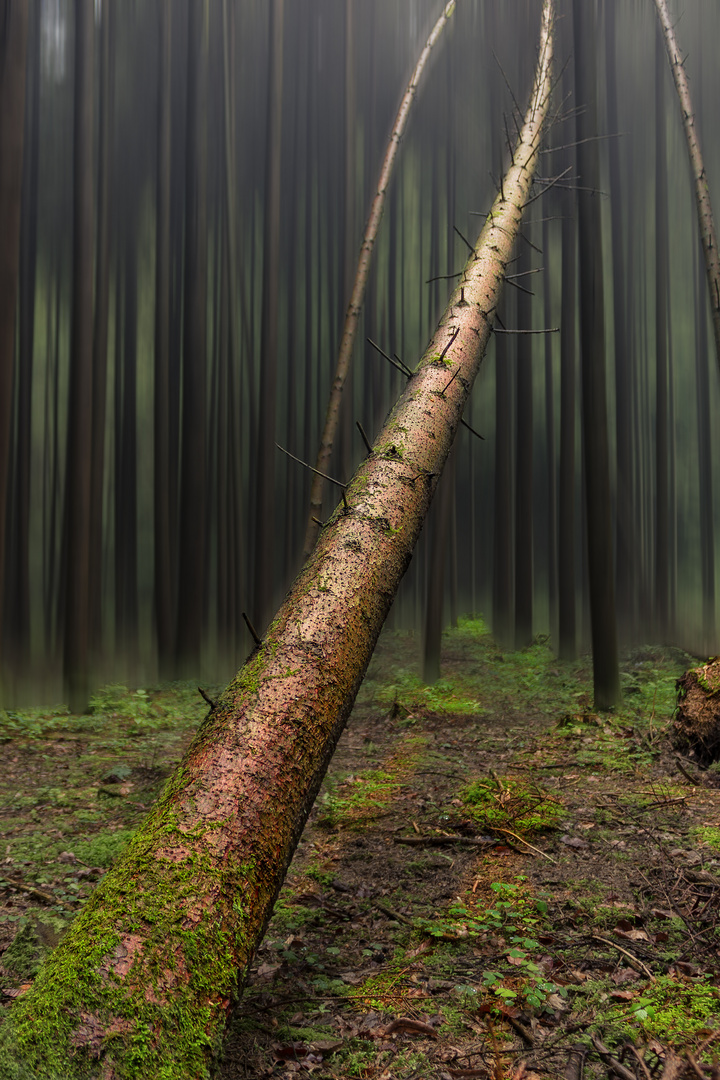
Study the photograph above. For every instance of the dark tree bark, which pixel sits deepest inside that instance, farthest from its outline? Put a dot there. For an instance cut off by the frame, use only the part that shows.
(148, 972)
(266, 571)
(13, 49)
(101, 328)
(606, 673)
(662, 297)
(440, 530)
(192, 576)
(164, 622)
(17, 621)
(502, 596)
(79, 439)
(624, 362)
(524, 547)
(567, 584)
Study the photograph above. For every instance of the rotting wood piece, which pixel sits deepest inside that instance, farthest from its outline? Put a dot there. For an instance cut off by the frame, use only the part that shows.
(696, 723)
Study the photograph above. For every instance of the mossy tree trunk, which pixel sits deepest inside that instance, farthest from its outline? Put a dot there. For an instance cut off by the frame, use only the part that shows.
(144, 981)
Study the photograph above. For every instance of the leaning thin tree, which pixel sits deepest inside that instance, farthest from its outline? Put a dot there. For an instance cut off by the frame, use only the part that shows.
(706, 221)
(352, 315)
(144, 981)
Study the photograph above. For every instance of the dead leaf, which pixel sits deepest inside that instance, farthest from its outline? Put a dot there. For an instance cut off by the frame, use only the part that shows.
(266, 970)
(573, 842)
(291, 1052)
(624, 975)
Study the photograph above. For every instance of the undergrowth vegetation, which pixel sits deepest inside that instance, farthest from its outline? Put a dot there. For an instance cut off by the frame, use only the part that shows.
(487, 856)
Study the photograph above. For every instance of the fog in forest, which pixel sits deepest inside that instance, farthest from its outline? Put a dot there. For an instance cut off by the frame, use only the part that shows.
(190, 223)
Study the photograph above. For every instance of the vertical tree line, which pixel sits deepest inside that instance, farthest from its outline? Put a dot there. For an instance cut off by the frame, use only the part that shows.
(181, 196)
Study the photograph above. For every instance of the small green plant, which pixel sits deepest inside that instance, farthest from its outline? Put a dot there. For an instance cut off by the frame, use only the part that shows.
(504, 803)
(678, 1013)
(708, 834)
(408, 696)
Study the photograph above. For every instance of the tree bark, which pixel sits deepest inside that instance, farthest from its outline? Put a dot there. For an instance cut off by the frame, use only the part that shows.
(143, 983)
(596, 451)
(706, 221)
(13, 48)
(266, 569)
(352, 316)
(79, 439)
(192, 560)
(162, 510)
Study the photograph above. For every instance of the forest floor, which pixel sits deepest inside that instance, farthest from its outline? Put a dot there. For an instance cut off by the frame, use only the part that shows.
(495, 881)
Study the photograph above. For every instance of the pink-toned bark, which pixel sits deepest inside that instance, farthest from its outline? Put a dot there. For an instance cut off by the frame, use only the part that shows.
(706, 221)
(144, 981)
(352, 315)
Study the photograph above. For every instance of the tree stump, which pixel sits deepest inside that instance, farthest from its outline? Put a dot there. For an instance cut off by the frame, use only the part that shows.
(696, 724)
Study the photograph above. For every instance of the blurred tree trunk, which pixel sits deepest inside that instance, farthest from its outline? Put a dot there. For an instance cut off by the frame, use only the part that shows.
(17, 620)
(550, 442)
(606, 672)
(147, 974)
(193, 470)
(524, 546)
(502, 578)
(439, 533)
(102, 319)
(164, 623)
(13, 50)
(79, 437)
(266, 568)
(625, 542)
(662, 298)
(567, 581)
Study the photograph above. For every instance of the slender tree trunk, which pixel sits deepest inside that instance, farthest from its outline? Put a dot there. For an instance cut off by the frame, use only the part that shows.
(606, 672)
(18, 561)
(524, 546)
(706, 221)
(79, 444)
(191, 594)
(662, 452)
(502, 578)
(435, 579)
(266, 570)
(567, 584)
(624, 360)
(164, 621)
(352, 316)
(102, 319)
(705, 467)
(13, 49)
(148, 972)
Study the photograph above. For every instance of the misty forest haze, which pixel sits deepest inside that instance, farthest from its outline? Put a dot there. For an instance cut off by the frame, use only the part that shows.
(231, 155)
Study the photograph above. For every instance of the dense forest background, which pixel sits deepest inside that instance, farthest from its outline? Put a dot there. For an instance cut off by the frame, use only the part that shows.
(217, 160)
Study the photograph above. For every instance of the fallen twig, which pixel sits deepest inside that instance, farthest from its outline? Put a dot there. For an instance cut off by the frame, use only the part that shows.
(613, 1062)
(634, 962)
(496, 828)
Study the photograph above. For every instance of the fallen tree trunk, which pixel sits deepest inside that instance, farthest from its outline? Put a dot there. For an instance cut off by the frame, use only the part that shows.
(143, 983)
(706, 222)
